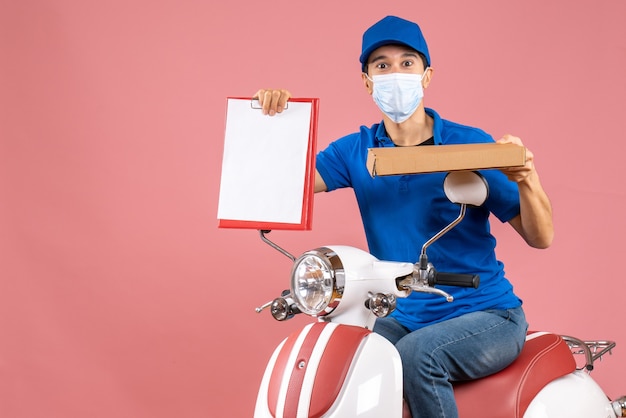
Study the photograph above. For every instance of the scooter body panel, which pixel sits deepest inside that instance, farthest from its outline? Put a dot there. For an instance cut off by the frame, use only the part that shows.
(300, 383)
(575, 395)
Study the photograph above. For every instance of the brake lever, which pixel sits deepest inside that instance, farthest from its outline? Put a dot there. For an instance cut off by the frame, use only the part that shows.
(418, 282)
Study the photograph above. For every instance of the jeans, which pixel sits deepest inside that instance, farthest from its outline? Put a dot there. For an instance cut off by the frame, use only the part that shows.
(469, 347)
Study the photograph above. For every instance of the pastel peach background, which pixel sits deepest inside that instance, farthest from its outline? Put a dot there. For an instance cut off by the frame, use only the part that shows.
(120, 297)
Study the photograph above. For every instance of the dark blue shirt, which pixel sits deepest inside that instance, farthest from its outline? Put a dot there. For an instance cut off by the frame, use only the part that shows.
(400, 213)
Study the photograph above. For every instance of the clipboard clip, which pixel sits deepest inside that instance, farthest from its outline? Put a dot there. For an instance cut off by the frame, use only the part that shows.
(254, 104)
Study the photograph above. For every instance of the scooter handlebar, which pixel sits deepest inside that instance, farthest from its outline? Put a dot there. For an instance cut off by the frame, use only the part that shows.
(454, 279)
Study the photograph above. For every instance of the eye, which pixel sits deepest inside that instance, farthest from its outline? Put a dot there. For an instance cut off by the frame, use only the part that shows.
(381, 66)
(407, 63)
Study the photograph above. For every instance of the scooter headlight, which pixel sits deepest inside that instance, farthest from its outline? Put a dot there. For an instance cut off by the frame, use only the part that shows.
(314, 282)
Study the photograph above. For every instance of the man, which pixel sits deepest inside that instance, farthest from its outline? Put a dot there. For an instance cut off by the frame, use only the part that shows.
(484, 329)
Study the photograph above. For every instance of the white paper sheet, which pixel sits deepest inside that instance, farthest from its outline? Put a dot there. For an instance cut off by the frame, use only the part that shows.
(264, 163)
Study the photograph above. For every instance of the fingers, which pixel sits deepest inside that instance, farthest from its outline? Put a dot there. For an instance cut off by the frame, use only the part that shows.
(518, 174)
(272, 101)
(510, 139)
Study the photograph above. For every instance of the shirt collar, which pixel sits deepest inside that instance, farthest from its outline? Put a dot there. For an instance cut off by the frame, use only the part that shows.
(384, 141)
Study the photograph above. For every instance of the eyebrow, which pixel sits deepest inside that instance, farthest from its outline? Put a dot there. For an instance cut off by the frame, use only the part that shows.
(405, 54)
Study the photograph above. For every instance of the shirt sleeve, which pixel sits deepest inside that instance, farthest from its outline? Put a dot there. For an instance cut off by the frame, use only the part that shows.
(503, 199)
(332, 165)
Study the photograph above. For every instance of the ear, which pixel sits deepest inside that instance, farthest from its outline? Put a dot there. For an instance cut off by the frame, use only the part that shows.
(367, 83)
(427, 77)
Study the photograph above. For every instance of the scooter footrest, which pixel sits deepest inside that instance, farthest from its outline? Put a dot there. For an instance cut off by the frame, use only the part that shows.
(508, 393)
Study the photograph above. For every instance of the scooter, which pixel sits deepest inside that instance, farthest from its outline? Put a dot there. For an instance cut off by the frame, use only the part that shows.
(337, 367)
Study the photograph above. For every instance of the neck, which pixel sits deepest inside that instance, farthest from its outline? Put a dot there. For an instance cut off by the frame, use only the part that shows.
(413, 131)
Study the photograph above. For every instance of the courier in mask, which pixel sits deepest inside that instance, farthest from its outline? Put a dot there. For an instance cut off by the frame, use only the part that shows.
(484, 330)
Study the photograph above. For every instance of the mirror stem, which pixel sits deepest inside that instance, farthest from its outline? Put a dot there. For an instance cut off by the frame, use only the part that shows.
(444, 230)
(263, 232)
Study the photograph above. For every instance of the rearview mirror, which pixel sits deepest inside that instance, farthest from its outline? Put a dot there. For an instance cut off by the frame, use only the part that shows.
(466, 187)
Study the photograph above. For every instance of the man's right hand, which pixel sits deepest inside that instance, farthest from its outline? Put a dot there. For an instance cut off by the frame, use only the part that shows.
(272, 101)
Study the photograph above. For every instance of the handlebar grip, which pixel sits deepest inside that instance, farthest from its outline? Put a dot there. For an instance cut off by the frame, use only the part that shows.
(455, 279)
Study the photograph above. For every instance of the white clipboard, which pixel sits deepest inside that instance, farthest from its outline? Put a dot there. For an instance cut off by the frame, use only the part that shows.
(268, 166)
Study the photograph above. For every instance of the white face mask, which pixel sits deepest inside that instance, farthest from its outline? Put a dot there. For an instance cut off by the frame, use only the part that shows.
(397, 95)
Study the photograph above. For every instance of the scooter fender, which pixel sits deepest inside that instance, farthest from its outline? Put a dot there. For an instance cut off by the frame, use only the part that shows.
(328, 370)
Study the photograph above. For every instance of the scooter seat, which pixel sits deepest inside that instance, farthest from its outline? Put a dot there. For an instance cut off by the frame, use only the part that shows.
(508, 393)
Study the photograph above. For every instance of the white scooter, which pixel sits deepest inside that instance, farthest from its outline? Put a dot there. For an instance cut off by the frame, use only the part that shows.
(337, 368)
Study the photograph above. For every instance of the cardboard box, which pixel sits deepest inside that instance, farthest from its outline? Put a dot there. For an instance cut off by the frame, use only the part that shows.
(387, 161)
